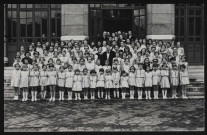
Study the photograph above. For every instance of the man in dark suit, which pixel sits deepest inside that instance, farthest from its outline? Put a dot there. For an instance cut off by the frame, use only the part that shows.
(131, 38)
(104, 37)
(109, 54)
(100, 55)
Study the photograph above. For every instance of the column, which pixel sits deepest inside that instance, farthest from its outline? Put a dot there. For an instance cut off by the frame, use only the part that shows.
(74, 21)
(161, 21)
(5, 58)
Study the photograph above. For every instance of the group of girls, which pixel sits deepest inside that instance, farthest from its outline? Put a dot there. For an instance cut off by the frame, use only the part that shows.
(77, 67)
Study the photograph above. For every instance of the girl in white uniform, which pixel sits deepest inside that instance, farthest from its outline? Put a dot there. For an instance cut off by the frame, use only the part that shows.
(140, 77)
(52, 82)
(93, 79)
(69, 81)
(15, 81)
(24, 82)
(100, 83)
(85, 83)
(106, 66)
(61, 82)
(124, 83)
(184, 80)
(116, 64)
(148, 82)
(108, 83)
(132, 81)
(155, 80)
(116, 79)
(174, 79)
(34, 81)
(165, 84)
(90, 64)
(43, 81)
(82, 65)
(77, 84)
(98, 66)
(126, 65)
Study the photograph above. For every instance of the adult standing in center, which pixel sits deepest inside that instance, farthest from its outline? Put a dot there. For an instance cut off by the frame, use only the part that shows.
(109, 54)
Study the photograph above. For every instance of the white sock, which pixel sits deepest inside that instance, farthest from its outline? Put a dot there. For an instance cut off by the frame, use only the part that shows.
(23, 95)
(149, 94)
(130, 93)
(68, 95)
(99, 94)
(141, 94)
(166, 93)
(114, 93)
(102, 94)
(146, 94)
(62, 94)
(118, 93)
(35, 94)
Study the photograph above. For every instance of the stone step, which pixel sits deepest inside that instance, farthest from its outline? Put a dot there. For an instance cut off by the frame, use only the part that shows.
(196, 75)
(192, 80)
(7, 84)
(8, 87)
(196, 71)
(195, 93)
(196, 78)
(196, 84)
(8, 68)
(196, 97)
(9, 90)
(47, 98)
(193, 66)
(8, 95)
(7, 80)
(195, 89)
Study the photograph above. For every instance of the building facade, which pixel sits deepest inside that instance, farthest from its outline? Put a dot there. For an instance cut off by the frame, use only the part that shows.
(24, 23)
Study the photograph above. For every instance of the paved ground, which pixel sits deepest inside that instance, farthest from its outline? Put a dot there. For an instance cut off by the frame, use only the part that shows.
(102, 115)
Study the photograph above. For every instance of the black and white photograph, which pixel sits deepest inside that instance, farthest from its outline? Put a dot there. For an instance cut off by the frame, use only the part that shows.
(103, 67)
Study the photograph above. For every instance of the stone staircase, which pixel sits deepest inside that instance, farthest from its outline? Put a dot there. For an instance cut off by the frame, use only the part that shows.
(194, 90)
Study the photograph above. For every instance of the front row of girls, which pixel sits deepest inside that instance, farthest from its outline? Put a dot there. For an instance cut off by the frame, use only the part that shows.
(99, 82)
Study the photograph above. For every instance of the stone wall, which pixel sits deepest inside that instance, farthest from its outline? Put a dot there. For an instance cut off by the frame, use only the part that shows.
(160, 21)
(74, 21)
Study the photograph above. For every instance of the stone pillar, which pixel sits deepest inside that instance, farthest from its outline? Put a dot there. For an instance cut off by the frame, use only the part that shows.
(74, 21)
(5, 58)
(161, 21)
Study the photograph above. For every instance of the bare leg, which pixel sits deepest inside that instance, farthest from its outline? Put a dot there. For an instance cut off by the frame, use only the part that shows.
(102, 92)
(146, 93)
(63, 93)
(149, 93)
(54, 91)
(51, 89)
(166, 93)
(163, 93)
(60, 93)
(35, 93)
(141, 90)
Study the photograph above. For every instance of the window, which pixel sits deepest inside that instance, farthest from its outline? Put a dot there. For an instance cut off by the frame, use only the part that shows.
(30, 22)
(12, 23)
(55, 22)
(139, 21)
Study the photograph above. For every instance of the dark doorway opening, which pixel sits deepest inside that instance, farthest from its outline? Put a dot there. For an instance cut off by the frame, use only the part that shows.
(117, 20)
